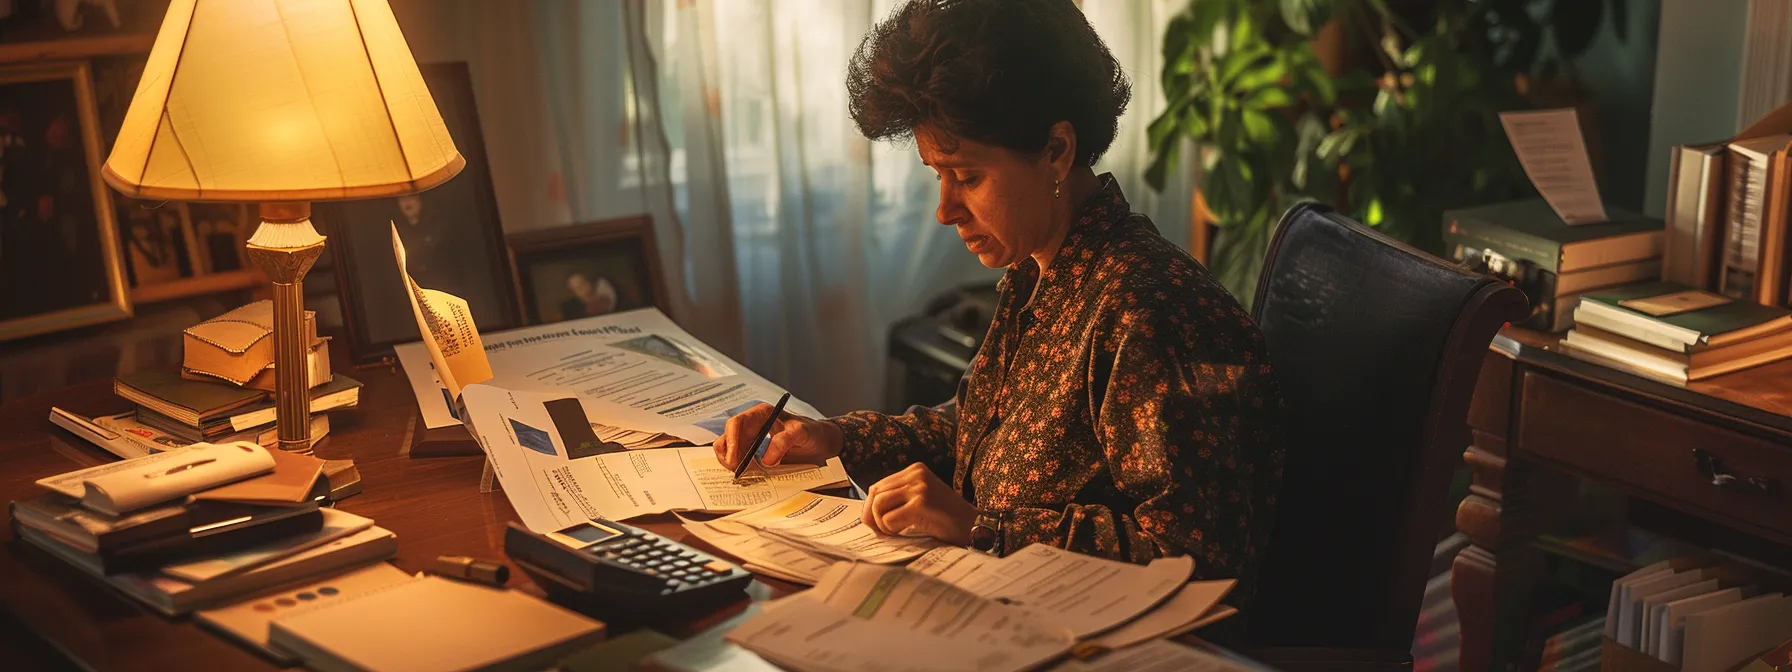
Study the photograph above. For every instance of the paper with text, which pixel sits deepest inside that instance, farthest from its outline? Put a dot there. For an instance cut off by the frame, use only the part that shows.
(1158, 656)
(1089, 595)
(1554, 155)
(449, 335)
(862, 616)
(1193, 602)
(763, 553)
(553, 484)
(639, 359)
(832, 526)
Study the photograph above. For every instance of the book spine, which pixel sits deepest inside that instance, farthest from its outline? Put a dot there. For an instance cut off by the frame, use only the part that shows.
(1477, 232)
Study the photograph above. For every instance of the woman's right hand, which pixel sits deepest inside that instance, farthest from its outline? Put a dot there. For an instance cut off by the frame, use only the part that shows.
(793, 438)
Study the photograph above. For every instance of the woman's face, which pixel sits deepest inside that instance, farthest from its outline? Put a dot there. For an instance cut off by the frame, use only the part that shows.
(999, 201)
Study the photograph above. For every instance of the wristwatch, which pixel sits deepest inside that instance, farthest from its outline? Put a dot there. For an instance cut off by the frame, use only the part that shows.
(986, 532)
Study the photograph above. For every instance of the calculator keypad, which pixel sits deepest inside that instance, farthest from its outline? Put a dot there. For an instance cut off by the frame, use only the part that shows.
(676, 567)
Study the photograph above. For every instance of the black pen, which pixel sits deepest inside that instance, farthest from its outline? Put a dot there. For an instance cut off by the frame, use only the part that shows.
(757, 452)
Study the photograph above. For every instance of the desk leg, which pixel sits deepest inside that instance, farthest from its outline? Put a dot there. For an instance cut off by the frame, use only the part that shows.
(1491, 579)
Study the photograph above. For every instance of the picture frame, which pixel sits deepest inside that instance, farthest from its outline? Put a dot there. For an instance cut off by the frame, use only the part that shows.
(158, 241)
(453, 239)
(584, 270)
(58, 226)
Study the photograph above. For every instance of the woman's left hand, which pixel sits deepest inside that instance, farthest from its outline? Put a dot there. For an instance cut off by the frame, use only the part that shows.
(915, 502)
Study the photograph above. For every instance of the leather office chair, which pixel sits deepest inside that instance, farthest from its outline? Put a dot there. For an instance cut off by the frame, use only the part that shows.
(1376, 347)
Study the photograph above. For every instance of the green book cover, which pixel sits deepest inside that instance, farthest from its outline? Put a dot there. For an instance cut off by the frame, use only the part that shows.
(1709, 322)
(1529, 230)
(204, 399)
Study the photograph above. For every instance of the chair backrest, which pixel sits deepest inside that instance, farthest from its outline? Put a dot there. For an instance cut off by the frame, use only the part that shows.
(1376, 347)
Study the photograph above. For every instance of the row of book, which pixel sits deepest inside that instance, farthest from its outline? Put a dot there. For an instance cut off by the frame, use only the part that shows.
(1727, 216)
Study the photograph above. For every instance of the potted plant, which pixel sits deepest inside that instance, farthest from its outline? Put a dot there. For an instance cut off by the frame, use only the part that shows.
(1385, 110)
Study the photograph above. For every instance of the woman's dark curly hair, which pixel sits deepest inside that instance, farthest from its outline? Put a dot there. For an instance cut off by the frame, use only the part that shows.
(999, 72)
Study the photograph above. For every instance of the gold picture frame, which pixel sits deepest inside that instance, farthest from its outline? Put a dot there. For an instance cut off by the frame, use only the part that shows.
(60, 262)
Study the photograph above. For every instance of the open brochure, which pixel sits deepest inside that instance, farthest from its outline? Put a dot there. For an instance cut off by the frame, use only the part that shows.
(637, 359)
(555, 475)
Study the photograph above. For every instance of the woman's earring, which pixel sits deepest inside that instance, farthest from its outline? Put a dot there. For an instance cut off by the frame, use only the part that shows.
(1057, 188)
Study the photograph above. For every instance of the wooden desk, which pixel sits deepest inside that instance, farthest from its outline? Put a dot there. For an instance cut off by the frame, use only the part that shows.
(433, 505)
(1538, 411)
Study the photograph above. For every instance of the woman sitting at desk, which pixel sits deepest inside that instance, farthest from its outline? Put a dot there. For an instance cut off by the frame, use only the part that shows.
(1121, 405)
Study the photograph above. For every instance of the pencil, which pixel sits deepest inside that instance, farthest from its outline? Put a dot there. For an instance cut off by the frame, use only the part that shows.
(758, 451)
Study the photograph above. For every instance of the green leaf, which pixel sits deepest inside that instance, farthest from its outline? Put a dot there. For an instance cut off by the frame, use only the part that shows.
(1305, 17)
(1166, 125)
(1240, 61)
(1268, 73)
(1229, 189)
(1388, 113)
(1259, 129)
(1268, 99)
(1309, 131)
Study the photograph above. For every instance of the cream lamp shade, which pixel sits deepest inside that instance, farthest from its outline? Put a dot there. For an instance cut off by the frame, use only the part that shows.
(280, 100)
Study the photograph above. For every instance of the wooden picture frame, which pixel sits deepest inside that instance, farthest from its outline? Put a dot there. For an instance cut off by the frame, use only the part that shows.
(584, 270)
(453, 239)
(60, 262)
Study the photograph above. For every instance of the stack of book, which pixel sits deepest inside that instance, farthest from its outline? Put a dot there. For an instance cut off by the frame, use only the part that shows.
(199, 525)
(1671, 332)
(1527, 243)
(222, 392)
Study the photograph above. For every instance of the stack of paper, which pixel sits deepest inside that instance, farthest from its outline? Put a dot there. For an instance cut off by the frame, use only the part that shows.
(1701, 618)
(957, 609)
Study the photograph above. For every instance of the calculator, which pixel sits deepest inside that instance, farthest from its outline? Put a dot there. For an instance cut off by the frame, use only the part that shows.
(624, 565)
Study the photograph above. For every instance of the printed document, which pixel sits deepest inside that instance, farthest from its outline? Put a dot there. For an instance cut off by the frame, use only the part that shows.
(1554, 155)
(1089, 595)
(1158, 656)
(638, 359)
(450, 337)
(762, 553)
(832, 526)
(863, 616)
(540, 446)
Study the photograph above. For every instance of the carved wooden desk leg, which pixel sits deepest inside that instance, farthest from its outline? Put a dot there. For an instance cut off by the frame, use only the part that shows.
(1490, 579)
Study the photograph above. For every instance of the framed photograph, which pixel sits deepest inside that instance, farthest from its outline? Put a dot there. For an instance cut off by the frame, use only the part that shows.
(220, 231)
(158, 241)
(452, 237)
(570, 272)
(59, 255)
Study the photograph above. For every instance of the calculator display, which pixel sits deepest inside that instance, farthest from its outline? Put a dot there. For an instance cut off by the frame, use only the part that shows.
(584, 534)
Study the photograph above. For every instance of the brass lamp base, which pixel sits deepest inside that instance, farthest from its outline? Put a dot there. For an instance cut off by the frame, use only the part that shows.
(284, 247)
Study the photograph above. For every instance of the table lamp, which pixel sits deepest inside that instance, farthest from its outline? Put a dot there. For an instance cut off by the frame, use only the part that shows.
(281, 102)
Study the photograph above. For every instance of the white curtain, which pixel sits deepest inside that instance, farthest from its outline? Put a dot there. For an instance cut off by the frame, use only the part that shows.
(792, 242)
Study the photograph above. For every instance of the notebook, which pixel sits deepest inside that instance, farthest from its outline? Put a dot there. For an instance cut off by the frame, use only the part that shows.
(433, 623)
(248, 620)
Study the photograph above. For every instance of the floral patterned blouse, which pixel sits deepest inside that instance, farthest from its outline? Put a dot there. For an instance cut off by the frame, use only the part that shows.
(1127, 411)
